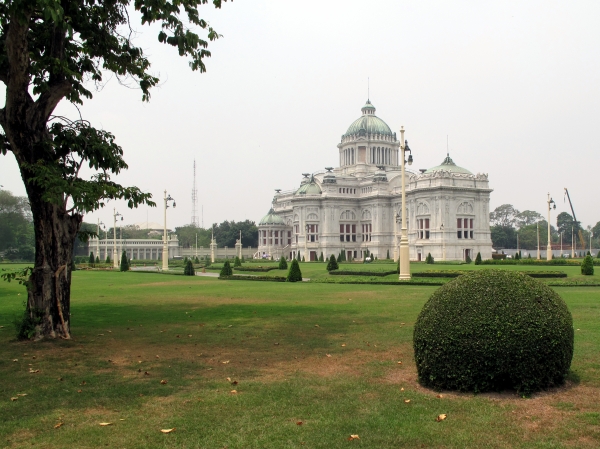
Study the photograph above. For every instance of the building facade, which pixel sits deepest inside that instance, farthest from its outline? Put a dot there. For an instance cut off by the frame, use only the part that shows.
(356, 207)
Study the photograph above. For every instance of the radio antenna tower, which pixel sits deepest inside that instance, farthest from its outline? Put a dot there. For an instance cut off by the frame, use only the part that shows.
(194, 200)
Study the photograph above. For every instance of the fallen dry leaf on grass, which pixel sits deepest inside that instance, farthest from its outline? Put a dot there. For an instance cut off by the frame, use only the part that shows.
(21, 394)
(15, 360)
(235, 382)
(233, 391)
(33, 371)
(79, 391)
(58, 425)
(225, 362)
(229, 379)
(353, 437)
(167, 430)
(299, 423)
(316, 325)
(402, 389)
(439, 396)
(407, 401)
(104, 424)
(328, 355)
(163, 382)
(344, 344)
(440, 417)
(399, 363)
(13, 399)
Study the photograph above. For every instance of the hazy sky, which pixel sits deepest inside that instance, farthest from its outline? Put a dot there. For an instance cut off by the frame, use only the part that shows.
(514, 84)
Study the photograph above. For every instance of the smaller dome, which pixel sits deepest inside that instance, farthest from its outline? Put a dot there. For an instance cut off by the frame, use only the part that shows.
(271, 219)
(449, 165)
(309, 188)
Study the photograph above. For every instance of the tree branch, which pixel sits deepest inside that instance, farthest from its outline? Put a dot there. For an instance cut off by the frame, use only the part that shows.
(45, 104)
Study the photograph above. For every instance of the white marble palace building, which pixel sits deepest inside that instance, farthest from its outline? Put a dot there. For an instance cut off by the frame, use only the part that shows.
(356, 206)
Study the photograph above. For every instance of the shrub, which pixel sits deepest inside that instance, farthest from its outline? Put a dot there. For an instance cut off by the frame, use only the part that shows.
(429, 258)
(478, 259)
(196, 260)
(189, 269)
(237, 262)
(321, 259)
(587, 266)
(124, 262)
(339, 258)
(303, 259)
(97, 259)
(294, 275)
(226, 270)
(493, 330)
(243, 258)
(258, 269)
(332, 264)
(298, 258)
(253, 278)
(92, 259)
(387, 256)
(468, 259)
(361, 273)
(598, 255)
(282, 264)
(108, 259)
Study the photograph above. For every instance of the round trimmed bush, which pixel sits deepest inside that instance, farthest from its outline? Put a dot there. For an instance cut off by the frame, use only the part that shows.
(493, 330)
(587, 266)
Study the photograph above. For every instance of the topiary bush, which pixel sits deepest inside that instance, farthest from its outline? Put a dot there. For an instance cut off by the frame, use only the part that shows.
(282, 263)
(587, 266)
(294, 275)
(478, 259)
(332, 264)
(124, 262)
(188, 270)
(429, 259)
(226, 270)
(493, 330)
(321, 257)
(237, 262)
(467, 259)
(92, 259)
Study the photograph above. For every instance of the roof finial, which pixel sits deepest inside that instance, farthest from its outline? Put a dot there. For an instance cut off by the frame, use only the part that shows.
(447, 150)
(368, 89)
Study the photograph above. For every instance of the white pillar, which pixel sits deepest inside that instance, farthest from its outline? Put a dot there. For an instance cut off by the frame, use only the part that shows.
(404, 250)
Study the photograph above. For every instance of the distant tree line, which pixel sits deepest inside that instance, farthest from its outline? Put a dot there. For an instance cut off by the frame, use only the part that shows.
(17, 237)
(506, 222)
(226, 234)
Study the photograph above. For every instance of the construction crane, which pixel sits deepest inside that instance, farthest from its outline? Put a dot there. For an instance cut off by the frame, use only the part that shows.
(575, 223)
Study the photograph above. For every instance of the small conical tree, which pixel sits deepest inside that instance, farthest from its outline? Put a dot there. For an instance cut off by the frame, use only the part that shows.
(196, 260)
(598, 255)
(282, 263)
(226, 270)
(92, 259)
(468, 259)
(587, 266)
(332, 264)
(189, 269)
(387, 256)
(107, 259)
(398, 267)
(298, 258)
(185, 259)
(97, 259)
(243, 259)
(303, 259)
(294, 275)
(124, 262)
(429, 259)
(478, 259)
(588, 254)
(237, 262)
(529, 256)
(207, 261)
(339, 258)
(321, 257)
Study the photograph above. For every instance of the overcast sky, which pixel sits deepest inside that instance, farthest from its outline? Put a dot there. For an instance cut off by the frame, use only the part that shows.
(514, 84)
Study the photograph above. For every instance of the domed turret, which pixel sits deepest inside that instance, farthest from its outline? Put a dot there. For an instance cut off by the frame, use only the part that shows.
(449, 165)
(369, 123)
(309, 188)
(271, 219)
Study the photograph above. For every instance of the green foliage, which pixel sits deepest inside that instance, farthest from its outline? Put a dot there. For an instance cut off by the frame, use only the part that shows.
(283, 263)
(226, 270)
(339, 258)
(294, 275)
(259, 269)
(124, 262)
(467, 259)
(456, 273)
(587, 266)
(107, 259)
(17, 239)
(237, 262)
(303, 259)
(97, 259)
(361, 273)
(388, 254)
(92, 259)
(429, 259)
(493, 330)
(25, 326)
(243, 258)
(321, 259)
(253, 278)
(478, 259)
(189, 269)
(298, 258)
(332, 264)
(197, 261)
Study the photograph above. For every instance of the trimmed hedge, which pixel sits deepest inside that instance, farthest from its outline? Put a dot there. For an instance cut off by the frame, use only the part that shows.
(257, 269)
(226, 270)
(493, 330)
(558, 261)
(241, 277)
(454, 274)
(361, 273)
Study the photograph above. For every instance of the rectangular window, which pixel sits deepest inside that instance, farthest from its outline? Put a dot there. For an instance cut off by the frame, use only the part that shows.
(276, 233)
(277, 241)
(347, 233)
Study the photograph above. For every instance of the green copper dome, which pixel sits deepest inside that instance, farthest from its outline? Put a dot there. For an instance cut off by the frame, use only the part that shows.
(369, 123)
(271, 219)
(450, 166)
(309, 188)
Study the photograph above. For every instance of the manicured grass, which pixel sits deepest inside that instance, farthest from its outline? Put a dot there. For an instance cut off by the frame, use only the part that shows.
(323, 355)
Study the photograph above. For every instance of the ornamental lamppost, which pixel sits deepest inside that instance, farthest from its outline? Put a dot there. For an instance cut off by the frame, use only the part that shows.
(165, 254)
(550, 201)
(538, 239)
(115, 255)
(396, 238)
(98, 240)
(404, 250)
(443, 242)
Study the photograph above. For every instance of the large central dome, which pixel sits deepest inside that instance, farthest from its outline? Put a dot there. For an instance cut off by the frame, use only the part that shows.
(369, 123)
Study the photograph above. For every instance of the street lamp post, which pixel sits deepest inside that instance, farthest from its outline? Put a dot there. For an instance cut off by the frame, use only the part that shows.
(549, 250)
(443, 242)
(404, 250)
(98, 240)
(538, 240)
(115, 255)
(165, 254)
(396, 237)
(561, 253)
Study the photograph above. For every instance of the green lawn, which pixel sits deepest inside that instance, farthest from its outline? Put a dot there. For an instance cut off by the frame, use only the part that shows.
(322, 355)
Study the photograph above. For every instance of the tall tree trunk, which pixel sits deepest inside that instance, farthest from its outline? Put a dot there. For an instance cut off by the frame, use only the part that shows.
(49, 289)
